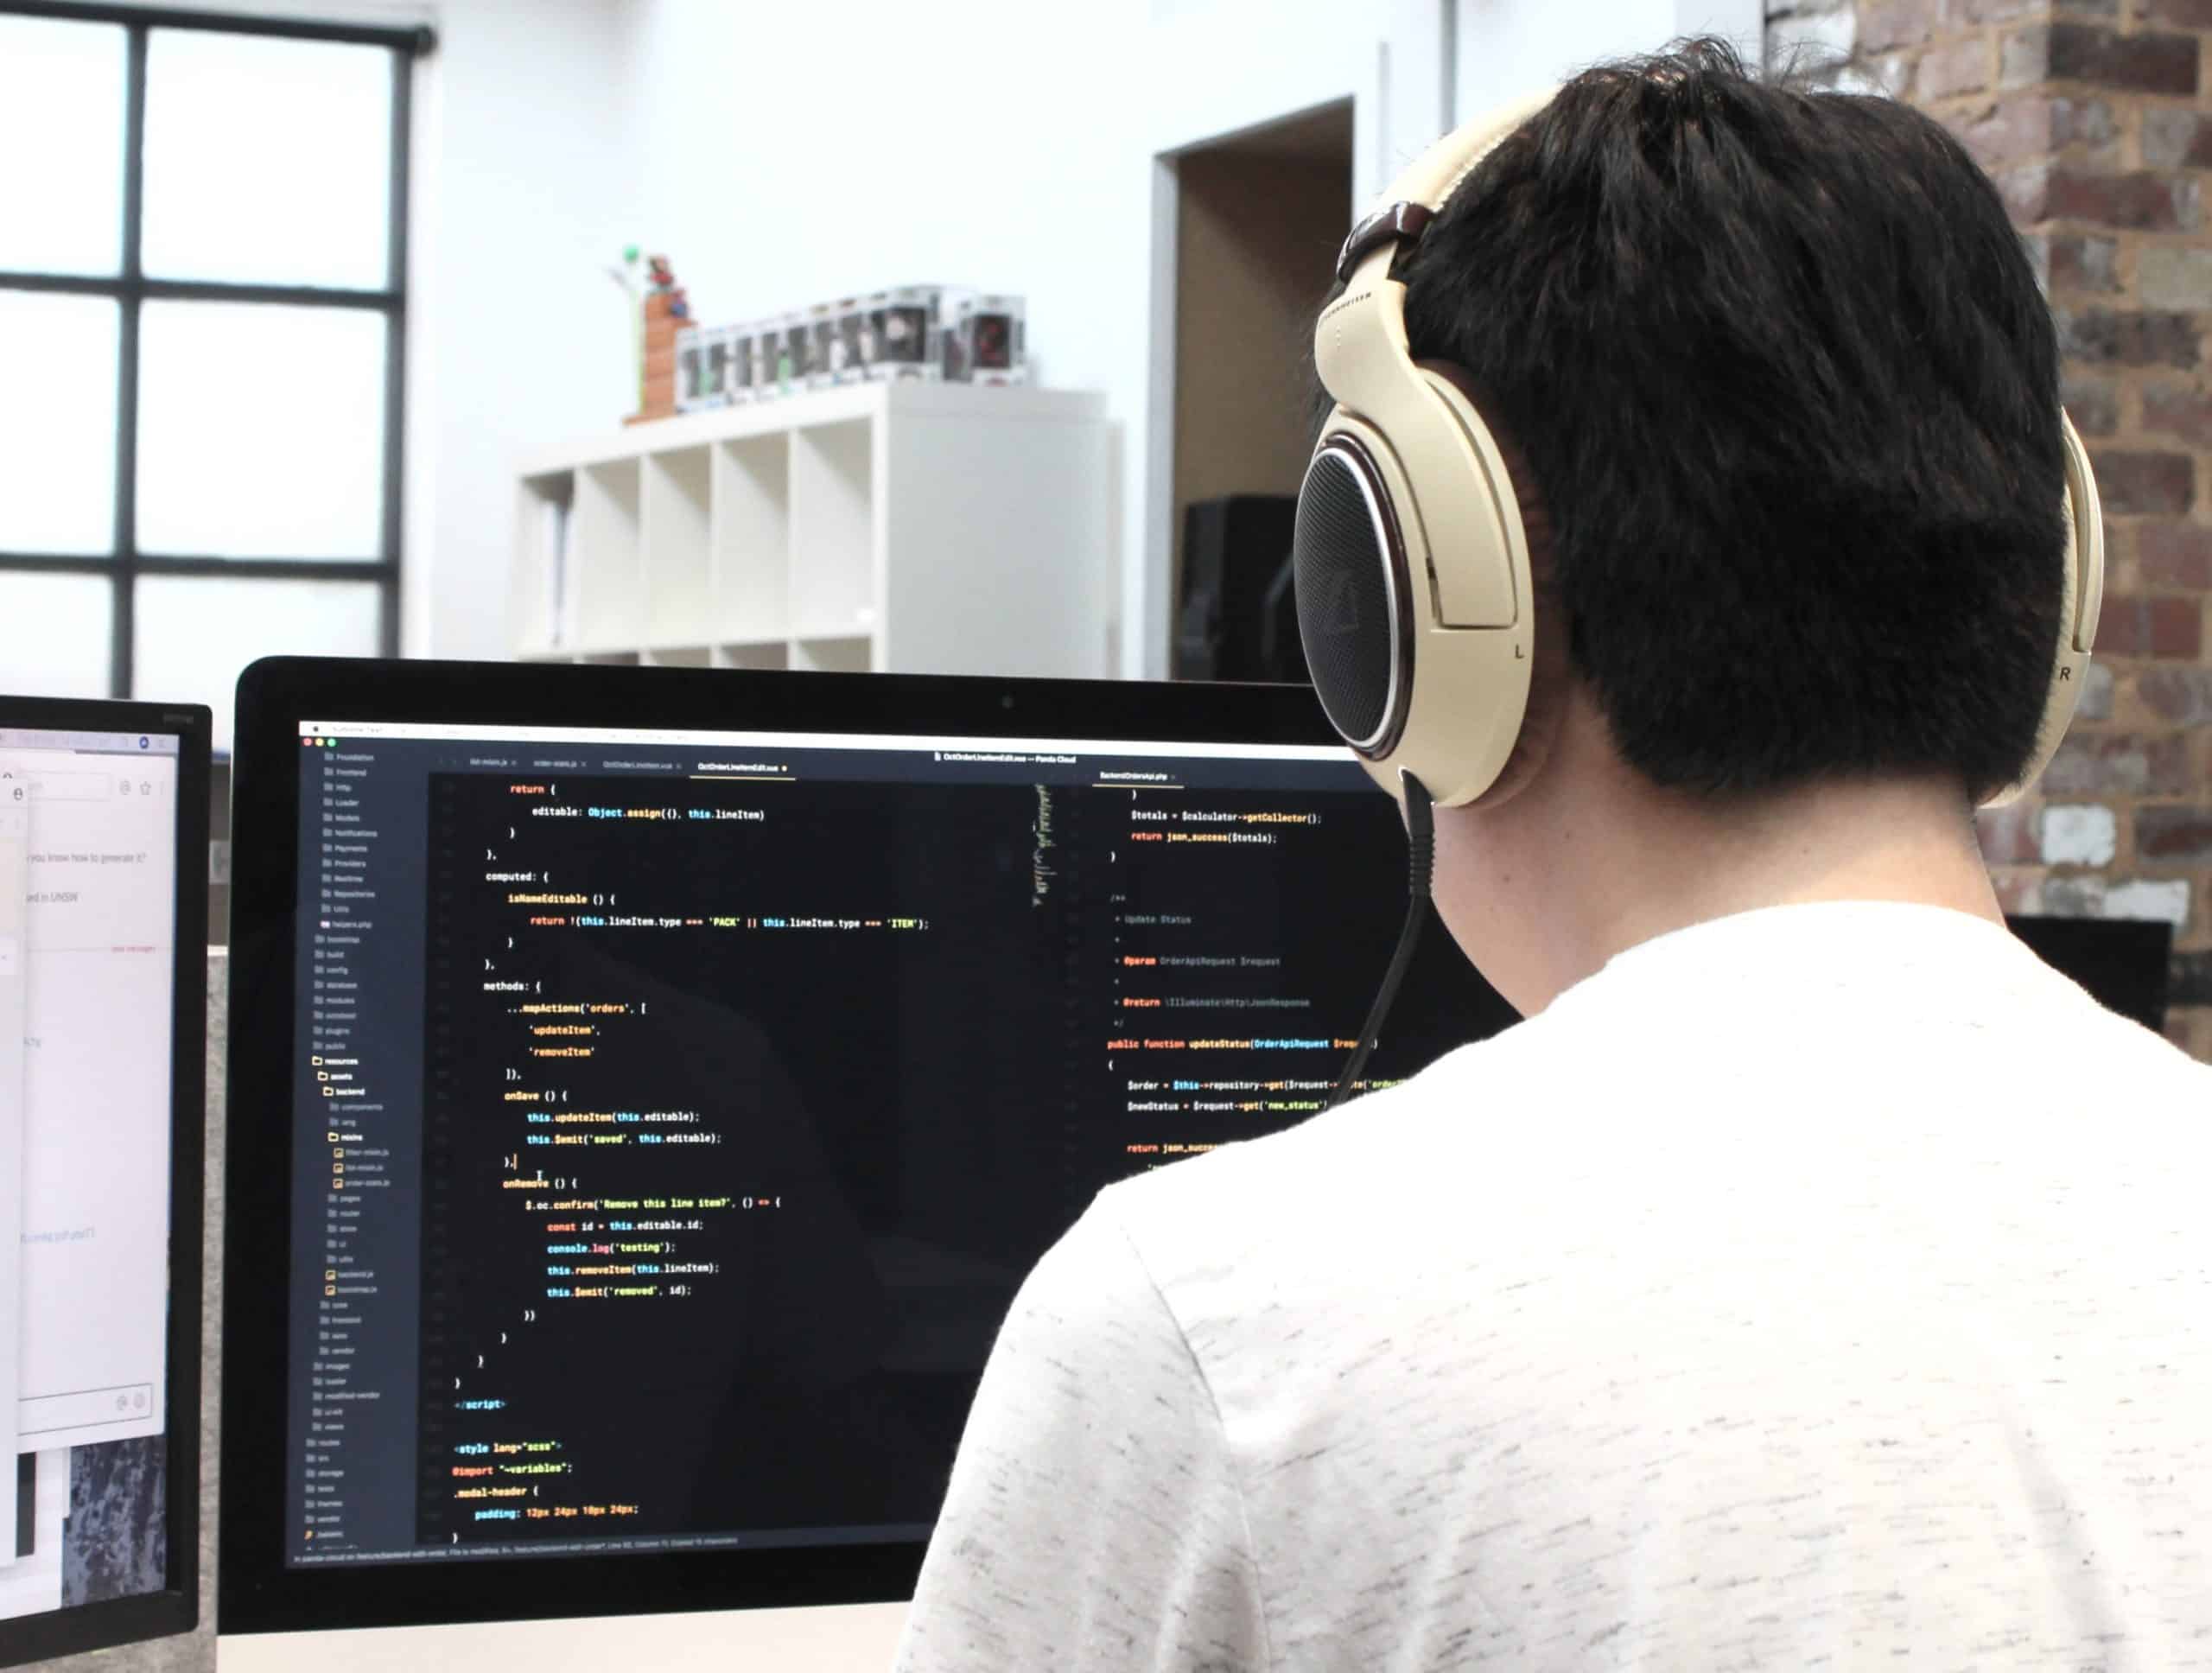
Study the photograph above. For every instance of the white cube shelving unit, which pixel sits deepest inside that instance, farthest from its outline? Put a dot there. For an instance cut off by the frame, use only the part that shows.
(925, 528)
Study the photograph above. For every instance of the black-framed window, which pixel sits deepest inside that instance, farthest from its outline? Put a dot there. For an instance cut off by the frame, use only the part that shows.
(203, 310)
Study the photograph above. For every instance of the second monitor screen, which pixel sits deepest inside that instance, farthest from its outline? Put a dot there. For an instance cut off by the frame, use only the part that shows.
(88, 967)
(681, 1121)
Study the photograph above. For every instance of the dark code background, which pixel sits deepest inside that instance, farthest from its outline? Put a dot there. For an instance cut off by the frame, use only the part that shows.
(930, 1106)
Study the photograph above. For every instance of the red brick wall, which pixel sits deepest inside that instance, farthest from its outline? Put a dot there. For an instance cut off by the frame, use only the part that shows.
(2094, 118)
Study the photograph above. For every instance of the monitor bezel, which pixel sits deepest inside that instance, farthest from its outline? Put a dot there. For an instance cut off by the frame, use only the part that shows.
(174, 1609)
(258, 1592)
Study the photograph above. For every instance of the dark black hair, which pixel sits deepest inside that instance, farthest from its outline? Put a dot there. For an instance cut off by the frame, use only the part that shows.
(1777, 363)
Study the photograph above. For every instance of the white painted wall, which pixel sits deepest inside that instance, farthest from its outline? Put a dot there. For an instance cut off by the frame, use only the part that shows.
(524, 166)
(1507, 47)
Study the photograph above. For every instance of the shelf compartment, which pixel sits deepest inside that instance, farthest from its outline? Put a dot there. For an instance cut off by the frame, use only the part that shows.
(843, 654)
(541, 590)
(755, 655)
(604, 549)
(752, 536)
(678, 566)
(833, 516)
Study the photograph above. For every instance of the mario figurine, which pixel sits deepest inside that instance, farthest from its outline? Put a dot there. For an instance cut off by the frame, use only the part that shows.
(662, 276)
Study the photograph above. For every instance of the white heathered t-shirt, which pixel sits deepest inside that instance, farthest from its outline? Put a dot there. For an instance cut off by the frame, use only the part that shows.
(1827, 1284)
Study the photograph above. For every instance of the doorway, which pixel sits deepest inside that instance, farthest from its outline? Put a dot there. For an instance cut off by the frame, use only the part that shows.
(1259, 218)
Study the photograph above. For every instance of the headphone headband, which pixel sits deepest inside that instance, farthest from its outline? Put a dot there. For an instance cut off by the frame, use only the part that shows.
(1404, 212)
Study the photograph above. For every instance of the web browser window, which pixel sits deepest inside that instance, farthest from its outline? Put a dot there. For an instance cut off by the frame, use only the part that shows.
(98, 962)
(14, 831)
(88, 875)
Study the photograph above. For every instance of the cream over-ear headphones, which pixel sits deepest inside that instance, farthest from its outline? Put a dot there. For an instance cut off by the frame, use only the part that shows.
(1412, 568)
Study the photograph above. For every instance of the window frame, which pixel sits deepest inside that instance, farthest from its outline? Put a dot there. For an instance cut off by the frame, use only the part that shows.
(130, 289)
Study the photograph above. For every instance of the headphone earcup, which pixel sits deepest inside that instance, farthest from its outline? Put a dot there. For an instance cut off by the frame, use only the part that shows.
(1414, 597)
(1355, 611)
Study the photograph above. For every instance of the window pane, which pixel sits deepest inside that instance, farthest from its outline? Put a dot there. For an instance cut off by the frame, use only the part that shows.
(195, 634)
(57, 423)
(60, 146)
(260, 430)
(267, 161)
(54, 635)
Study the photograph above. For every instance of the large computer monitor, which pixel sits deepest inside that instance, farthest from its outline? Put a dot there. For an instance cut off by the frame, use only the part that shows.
(104, 811)
(648, 1088)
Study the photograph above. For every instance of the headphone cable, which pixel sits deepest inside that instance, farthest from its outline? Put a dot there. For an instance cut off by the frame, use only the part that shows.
(1420, 866)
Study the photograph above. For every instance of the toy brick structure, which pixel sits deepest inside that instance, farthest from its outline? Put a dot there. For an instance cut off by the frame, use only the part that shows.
(663, 311)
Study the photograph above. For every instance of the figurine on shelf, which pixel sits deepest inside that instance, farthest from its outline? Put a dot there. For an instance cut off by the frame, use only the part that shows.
(660, 308)
(663, 277)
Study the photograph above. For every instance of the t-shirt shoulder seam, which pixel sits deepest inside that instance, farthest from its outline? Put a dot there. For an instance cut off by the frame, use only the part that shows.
(1249, 1546)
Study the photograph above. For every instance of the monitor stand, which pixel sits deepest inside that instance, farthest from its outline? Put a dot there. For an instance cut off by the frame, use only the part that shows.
(857, 1638)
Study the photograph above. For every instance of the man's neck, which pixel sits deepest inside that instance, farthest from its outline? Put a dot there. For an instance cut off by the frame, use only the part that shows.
(1542, 892)
(1897, 840)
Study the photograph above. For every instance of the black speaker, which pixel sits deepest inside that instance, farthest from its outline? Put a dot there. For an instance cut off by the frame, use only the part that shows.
(1236, 618)
(2124, 963)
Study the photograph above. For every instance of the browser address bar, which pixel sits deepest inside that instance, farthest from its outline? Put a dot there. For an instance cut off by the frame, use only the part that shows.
(54, 785)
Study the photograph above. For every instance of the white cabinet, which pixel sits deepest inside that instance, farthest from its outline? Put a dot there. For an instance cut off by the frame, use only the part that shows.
(925, 528)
